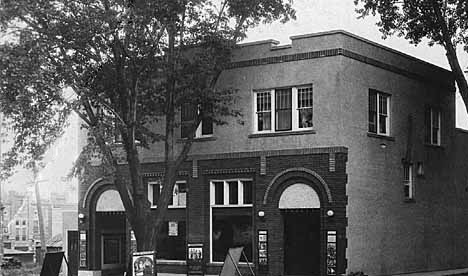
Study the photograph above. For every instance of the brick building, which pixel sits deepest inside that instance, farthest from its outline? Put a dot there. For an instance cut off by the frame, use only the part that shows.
(349, 160)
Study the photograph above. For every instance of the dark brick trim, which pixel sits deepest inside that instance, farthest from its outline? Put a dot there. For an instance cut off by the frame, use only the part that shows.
(229, 171)
(161, 174)
(268, 153)
(335, 52)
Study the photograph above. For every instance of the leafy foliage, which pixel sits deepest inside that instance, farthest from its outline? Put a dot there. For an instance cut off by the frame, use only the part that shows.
(443, 22)
(125, 67)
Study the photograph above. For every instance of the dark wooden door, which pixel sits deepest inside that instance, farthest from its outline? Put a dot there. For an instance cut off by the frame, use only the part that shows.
(302, 242)
(72, 254)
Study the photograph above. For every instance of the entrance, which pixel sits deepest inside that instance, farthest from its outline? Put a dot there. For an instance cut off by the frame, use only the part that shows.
(301, 241)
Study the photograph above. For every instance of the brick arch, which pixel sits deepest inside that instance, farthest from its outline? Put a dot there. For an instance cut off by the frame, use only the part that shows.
(95, 190)
(301, 172)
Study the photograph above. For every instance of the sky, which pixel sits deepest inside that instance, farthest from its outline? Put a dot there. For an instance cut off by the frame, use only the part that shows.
(312, 16)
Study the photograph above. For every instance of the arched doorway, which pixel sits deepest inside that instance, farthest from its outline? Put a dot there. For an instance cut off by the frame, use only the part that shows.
(300, 208)
(110, 231)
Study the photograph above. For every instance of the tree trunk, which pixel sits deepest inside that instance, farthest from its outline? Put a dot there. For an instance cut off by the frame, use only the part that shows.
(40, 216)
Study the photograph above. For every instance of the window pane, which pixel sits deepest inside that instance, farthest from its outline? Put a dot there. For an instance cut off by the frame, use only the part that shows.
(207, 126)
(372, 112)
(435, 127)
(231, 230)
(263, 110)
(219, 192)
(247, 192)
(233, 192)
(156, 191)
(305, 118)
(283, 119)
(382, 124)
(182, 194)
(283, 109)
(264, 121)
(383, 104)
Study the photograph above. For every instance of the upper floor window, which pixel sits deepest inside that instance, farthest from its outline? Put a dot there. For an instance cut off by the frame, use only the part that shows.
(188, 115)
(408, 180)
(379, 113)
(432, 125)
(179, 194)
(283, 109)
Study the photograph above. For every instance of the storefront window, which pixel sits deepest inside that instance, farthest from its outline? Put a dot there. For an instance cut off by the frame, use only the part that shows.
(231, 218)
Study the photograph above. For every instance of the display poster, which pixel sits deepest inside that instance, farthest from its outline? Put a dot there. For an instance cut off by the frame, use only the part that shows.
(133, 244)
(52, 264)
(263, 250)
(173, 228)
(195, 259)
(144, 263)
(83, 248)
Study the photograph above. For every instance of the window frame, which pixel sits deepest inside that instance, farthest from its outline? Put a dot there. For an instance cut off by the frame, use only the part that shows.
(430, 111)
(199, 131)
(294, 109)
(240, 204)
(378, 114)
(150, 188)
(408, 181)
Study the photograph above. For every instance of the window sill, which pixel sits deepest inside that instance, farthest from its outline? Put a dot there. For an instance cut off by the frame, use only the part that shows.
(178, 262)
(232, 206)
(380, 136)
(409, 200)
(282, 133)
(197, 139)
(170, 207)
(433, 146)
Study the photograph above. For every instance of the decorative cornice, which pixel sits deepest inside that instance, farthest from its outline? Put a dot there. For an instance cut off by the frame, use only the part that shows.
(335, 52)
(228, 171)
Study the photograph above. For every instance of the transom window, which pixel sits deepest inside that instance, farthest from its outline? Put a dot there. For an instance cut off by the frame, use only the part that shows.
(379, 113)
(292, 108)
(231, 192)
(179, 195)
(432, 126)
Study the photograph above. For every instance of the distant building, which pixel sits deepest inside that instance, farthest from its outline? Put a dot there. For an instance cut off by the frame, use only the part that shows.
(349, 160)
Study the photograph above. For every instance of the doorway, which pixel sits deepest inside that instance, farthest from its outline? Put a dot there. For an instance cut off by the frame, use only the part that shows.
(301, 241)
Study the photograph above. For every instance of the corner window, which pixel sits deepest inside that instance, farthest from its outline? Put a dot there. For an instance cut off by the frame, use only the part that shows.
(408, 182)
(189, 113)
(432, 125)
(283, 109)
(179, 194)
(379, 113)
(231, 217)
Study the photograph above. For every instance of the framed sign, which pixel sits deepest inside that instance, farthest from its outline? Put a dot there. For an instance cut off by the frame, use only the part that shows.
(144, 263)
(195, 259)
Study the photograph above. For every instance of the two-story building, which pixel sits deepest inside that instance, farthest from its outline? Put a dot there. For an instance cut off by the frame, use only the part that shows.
(348, 160)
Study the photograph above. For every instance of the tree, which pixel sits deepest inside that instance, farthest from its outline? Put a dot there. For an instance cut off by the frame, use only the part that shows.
(443, 22)
(126, 68)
